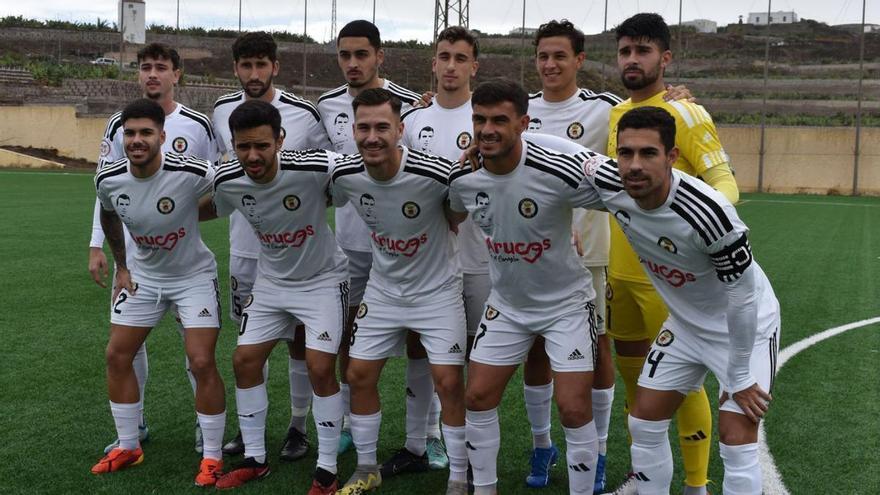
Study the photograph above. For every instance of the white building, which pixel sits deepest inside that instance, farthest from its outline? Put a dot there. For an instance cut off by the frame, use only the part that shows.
(520, 31)
(778, 17)
(702, 25)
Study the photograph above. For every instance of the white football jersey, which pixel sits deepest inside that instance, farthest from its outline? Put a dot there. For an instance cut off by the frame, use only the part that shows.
(302, 129)
(448, 132)
(289, 216)
(582, 119)
(690, 247)
(162, 216)
(413, 251)
(525, 216)
(187, 132)
(338, 116)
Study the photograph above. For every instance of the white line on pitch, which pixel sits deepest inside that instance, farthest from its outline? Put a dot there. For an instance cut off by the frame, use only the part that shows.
(773, 484)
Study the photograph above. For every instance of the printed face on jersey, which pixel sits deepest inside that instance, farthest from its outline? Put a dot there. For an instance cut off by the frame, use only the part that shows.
(482, 217)
(341, 124)
(143, 139)
(249, 204)
(454, 64)
(255, 74)
(641, 62)
(368, 206)
(157, 77)
(122, 204)
(425, 137)
(645, 166)
(535, 124)
(497, 129)
(557, 63)
(358, 60)
(377, 131)
(257, 152)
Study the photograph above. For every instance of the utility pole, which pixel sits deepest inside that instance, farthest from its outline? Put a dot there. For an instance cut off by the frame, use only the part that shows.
(305, 47)
(177, 25)
(522, 48)
(239, 16)
(333, 21)
(764, 103)
(857, 151)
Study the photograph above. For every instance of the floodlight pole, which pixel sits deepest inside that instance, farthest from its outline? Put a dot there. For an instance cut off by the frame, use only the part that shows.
(374, 11)
(522, 48)
(764, 102)
(305, 37)
(177, 25)
(239, 16)
(604, 28)
(857, 151)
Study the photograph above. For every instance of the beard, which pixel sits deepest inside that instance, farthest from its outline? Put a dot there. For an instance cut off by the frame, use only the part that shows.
(257, 93)
(643, 81)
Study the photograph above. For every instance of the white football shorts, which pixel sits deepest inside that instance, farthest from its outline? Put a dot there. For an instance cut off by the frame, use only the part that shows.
(198, 305)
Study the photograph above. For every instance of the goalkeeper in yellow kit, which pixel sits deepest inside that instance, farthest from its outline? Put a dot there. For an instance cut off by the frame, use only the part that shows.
(635, 311)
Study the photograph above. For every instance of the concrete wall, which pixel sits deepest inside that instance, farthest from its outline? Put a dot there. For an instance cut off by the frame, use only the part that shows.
(815, 160)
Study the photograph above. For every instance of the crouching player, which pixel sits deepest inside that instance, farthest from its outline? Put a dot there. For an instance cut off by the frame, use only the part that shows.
(301, 277)
(723, 314)
(156, 196)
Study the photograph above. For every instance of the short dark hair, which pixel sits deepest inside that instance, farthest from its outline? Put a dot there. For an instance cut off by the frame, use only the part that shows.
(458, 33)
(256, 44)
(646, 25)
(340, 115)
(426, 128)
(561, 28)
(143, 108)
(157, 51)
(255, 113)
(375, 97)
(495, 91)
(248, 196)
(654, 118)
(361, 29)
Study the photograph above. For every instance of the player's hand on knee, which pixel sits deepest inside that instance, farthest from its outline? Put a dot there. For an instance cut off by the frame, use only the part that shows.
(98, 265)
(123, 281)
(754, 402)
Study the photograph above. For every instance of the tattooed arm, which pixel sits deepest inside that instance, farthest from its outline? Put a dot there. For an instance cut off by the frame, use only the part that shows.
(112, 226)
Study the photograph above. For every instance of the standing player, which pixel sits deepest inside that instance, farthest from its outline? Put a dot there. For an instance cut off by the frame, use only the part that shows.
(635, 311)
(173, 268)
(414, 283)
(359, 54)
(524, 195)
(581, 116)
(449, 118)
(255, 58)
(187, 132)
(723, 315)
(301, 276)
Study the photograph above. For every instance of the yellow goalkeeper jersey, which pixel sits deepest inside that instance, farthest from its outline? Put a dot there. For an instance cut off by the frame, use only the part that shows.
(700, 150)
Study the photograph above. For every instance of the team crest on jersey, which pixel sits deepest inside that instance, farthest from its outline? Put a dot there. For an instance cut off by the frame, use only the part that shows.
(105, 148)
(609, 294)
(528, 208)
(248, 301)
(411, 209)
(575, 130)
(291, 202)
(491, 313)
(463, 140)
(179, 145)
(667, 244)
(592, 164)
(165, 205)
(362, 310)
(665, 338)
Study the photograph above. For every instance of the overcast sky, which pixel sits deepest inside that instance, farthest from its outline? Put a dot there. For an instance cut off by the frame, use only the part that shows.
(413, 19)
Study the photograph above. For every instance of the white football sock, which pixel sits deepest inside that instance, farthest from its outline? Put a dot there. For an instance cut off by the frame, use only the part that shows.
(694, 490)
(483, 435)
(212, 434)
(742, 473)
(456, 451)
(327, 412)
(581, 453)
(365, 434)
(126, 417)
(602, 400)
(651, 455)
(419, 394)
(253, 404)
(538, 400)
(434, 417)
(346, 405)
(300, 393)
(141, 372)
